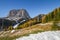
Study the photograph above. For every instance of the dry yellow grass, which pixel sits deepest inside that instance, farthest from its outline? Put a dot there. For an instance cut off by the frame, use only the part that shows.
(28, 30)
(31, 29)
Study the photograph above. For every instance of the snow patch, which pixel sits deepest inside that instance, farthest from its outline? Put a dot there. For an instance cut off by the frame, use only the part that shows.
(50, 35)
(12, 31)
(15, 25)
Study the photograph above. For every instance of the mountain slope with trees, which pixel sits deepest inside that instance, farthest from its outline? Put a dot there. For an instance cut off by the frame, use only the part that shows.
(50, 17)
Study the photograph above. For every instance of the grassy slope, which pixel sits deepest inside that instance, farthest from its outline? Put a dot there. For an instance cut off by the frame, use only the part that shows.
(25, 31)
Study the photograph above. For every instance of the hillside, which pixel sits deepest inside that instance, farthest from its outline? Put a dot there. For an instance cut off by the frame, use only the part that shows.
(40, 23)
(53, 16)
(12, 34)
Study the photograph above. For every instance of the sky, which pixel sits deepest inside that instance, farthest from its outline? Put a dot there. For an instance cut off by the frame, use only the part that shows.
(33, 7)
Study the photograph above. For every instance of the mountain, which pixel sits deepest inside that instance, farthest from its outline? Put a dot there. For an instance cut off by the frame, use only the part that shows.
(21, 16)
(53, 16)
(16, 15)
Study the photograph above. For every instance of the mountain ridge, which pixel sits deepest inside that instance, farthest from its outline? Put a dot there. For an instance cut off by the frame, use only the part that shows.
(15, 16)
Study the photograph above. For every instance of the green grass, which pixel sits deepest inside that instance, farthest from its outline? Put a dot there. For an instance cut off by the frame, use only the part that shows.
(6, 38)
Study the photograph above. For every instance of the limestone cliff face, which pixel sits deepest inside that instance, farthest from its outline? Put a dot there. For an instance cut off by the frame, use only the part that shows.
(18, 14)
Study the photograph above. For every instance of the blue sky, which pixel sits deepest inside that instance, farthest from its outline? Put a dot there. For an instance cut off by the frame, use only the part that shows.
(34, 7)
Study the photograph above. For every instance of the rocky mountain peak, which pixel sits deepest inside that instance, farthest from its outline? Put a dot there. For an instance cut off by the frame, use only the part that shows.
(18, 14)
(14, 17)
(12, 13)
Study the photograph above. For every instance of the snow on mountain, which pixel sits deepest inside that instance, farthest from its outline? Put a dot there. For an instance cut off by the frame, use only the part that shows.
(15, 25)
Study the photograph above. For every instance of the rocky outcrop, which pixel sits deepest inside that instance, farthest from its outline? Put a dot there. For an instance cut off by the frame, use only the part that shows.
(18, 15)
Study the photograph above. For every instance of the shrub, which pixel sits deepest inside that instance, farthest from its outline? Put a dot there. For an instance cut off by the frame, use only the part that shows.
(55, 26)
